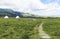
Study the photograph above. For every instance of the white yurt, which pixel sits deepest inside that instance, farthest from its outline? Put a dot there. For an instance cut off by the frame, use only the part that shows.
(6, 17)
(17, 17)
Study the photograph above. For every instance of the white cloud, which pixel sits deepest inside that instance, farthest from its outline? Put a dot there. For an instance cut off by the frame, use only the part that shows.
(22, 4)
(52, 9)
(31, 5)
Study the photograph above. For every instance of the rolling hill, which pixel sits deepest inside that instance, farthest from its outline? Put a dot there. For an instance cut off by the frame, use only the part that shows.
(12, 13)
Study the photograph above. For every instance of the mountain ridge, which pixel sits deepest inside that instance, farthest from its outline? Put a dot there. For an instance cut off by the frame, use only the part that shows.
(12, 13)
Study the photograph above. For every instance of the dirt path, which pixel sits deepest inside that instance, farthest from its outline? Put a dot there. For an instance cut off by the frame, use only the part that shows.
(42, 33)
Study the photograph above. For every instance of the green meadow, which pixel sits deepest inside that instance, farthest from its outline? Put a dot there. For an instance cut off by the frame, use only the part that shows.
(24, 28)
(52, 27)
(27, 28)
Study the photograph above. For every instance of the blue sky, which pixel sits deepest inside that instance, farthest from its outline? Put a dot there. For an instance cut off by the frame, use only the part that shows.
(47, 1)
(39, 7)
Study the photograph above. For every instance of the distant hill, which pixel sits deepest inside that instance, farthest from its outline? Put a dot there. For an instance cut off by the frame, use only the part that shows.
(8, 12)
(12, 13)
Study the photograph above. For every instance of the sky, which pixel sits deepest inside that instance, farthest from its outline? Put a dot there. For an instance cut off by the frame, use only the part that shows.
(38, 7)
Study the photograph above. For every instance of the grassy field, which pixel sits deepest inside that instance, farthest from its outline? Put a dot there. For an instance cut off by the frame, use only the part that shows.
(24, 28)
(52, 27)
(27, 28)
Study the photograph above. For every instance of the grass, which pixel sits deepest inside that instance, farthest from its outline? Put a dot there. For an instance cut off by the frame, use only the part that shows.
(52, 27)
(27, 28)
(24, 28)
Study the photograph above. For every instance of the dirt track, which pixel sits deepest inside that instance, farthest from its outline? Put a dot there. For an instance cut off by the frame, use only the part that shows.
(42, 33)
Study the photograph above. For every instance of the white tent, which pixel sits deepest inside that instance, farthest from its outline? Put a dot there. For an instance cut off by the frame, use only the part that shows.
(6, 17)
(17, 17)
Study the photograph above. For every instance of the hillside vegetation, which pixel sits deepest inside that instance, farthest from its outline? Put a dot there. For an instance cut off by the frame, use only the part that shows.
(12, 13)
